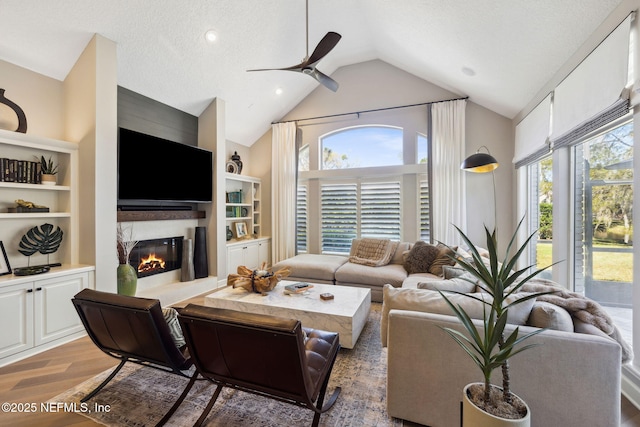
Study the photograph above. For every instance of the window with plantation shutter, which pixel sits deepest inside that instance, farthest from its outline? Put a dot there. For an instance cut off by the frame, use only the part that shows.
(301, 219)
(380, 210)
(425, 214)
(342, 197)
(339, 216)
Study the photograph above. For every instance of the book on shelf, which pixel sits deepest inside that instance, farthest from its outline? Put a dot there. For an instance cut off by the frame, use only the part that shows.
(20, 171)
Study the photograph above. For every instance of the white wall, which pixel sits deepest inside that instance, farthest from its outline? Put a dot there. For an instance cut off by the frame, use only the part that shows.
(90, 107)
(40, 98)
(376, 84)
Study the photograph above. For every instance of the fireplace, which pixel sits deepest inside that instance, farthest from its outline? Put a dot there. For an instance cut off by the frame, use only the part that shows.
(156, 256)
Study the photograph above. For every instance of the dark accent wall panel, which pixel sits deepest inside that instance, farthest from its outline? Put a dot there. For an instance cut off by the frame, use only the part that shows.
(145, 115)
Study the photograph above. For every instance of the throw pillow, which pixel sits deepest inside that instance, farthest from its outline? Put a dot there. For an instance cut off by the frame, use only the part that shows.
(420, 257)
(443, 258)
(171, 317)
(458, 284)
(550, 316)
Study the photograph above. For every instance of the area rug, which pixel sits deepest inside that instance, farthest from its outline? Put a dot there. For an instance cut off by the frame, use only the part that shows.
(140, 396)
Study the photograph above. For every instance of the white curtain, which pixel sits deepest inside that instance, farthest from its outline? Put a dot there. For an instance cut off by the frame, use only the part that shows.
(448, 181)
(283, 190)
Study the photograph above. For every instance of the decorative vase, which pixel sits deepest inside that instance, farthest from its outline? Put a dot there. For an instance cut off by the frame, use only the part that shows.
(18, 125)
(127, 280)
(236, 159)
(474, 416)
(229, 234)
(200, 258)
(48, 179)
(187, 274)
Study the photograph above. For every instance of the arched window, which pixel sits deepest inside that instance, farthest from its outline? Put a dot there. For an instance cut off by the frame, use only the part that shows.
(360, 147)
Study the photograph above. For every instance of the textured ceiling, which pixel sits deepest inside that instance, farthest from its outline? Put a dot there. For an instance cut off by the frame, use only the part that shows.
(514, 46)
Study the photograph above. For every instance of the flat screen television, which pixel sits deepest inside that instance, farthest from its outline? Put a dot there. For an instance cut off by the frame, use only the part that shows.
(157, 172)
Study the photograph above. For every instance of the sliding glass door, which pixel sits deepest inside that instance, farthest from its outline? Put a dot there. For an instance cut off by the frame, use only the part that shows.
(603, 221)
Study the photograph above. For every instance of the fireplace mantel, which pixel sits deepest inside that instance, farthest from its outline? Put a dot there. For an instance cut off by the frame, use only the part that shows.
(126, 216)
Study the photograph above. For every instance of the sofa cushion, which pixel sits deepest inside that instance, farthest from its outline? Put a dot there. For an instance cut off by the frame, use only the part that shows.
(372, 252)
(457, 284)
(313, 266)
(432, 302)
(420, 257)
(442, 259)
(450, 272)
(411, 282)
(373, 276)
(399, 256)
(550, 316)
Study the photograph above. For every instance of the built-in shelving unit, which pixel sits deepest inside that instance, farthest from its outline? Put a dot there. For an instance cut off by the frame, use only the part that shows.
(37, 307)
(243, 204)
(61, 199)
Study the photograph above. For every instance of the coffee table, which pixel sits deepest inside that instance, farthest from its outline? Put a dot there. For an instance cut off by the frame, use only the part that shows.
(346, 314)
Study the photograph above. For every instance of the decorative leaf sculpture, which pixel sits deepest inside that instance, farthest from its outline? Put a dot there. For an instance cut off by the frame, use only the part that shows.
(43, 239)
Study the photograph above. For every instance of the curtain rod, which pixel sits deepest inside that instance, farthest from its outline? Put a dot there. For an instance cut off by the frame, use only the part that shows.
(370, 111)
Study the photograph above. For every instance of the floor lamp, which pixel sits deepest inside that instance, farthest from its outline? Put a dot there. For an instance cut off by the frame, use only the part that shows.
(483, 163)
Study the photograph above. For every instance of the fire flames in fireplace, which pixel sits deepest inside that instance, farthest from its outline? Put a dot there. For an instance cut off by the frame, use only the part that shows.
(151, 264)
(156, 256)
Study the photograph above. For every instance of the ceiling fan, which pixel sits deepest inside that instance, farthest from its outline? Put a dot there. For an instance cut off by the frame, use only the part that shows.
(308, 64)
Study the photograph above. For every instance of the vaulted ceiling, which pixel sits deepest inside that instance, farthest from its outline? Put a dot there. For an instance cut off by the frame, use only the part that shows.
(498, 52)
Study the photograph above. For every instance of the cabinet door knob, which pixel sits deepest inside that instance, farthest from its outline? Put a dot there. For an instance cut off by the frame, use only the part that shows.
(38, 289)
(29, 290)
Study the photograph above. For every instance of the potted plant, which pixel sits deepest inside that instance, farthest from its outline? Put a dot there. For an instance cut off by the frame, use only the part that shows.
(48, 170)
(489, 348)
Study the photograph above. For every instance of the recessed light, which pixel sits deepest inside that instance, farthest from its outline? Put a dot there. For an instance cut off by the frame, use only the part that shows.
(211, 36)
(468, 71)
(279, 91)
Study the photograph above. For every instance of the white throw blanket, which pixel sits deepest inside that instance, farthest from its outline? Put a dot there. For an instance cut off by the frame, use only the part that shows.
(372, 252)
(582, 308)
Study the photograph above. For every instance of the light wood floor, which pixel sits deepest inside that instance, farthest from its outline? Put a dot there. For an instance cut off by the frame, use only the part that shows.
(39, 378)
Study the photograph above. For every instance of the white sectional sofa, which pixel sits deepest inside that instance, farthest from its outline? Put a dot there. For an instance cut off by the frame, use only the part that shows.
(569, 379)
(337, 269)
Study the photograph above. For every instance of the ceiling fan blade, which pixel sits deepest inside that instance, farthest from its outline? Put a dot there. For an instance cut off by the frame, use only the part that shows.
(328, 42)
(325, 80)
(293, 68)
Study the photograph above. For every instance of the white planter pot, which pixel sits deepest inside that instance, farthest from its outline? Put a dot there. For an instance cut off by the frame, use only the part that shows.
(472, 416)
(48, 179)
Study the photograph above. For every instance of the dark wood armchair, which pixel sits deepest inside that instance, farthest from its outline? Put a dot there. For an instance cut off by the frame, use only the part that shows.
(130, 329)
(264, 355)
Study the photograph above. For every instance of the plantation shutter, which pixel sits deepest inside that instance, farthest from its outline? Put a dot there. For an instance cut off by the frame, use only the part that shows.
(380, 210)
(301, 219)
(425, 214)
(339, 215)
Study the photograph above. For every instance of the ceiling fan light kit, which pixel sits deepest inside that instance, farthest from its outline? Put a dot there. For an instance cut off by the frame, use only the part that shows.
(308, 64)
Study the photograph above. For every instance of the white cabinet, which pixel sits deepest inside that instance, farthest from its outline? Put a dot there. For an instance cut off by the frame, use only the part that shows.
(249, 253)
(55, 316)
(16, 312)
(37, 310)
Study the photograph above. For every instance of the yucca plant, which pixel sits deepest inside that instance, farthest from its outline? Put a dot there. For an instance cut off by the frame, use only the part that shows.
(490, 348)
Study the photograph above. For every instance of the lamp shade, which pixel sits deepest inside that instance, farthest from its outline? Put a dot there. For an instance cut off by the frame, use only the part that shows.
(480, 163)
